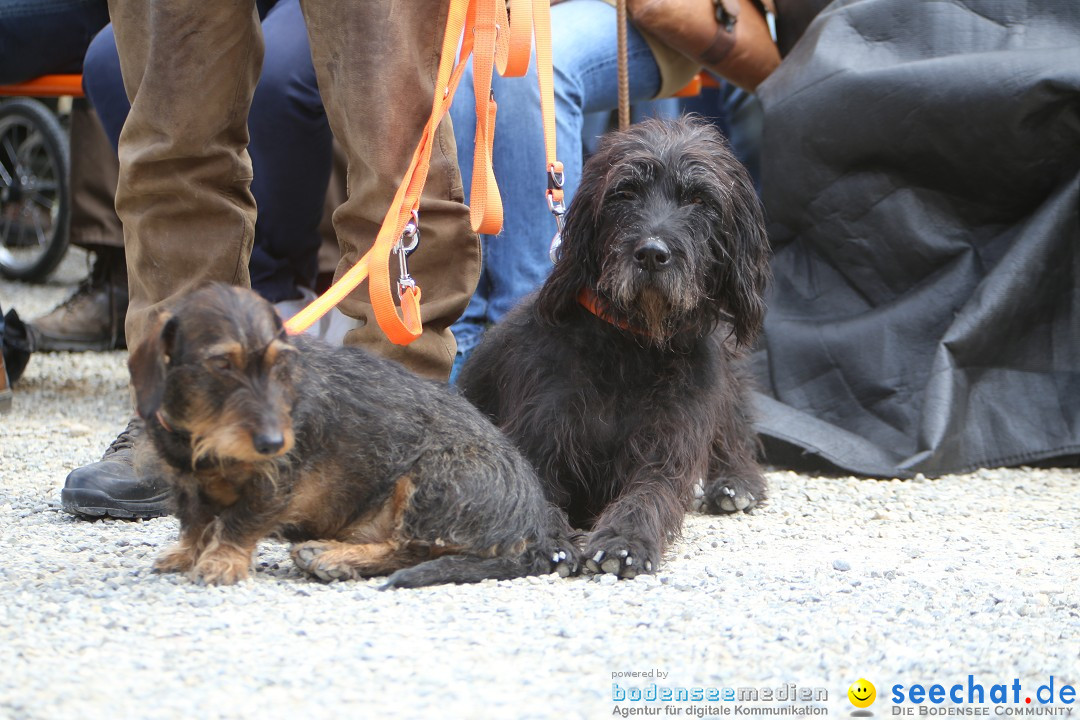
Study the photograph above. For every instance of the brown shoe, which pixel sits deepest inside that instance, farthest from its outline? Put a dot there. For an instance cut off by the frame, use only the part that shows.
(92, 318)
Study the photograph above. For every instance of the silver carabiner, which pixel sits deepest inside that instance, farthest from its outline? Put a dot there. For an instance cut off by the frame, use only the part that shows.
(410, 233)
(558, 210)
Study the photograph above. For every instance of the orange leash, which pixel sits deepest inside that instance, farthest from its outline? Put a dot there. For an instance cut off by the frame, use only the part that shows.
(483, 29)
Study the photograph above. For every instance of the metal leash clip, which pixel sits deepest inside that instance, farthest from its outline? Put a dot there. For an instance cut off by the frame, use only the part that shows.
(406, 244)
(555, 181)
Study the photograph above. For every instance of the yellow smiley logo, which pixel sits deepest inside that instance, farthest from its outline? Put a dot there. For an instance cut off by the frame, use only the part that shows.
(862, 693)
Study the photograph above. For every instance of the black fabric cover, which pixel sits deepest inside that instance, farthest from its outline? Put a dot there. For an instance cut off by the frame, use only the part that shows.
(921, 175)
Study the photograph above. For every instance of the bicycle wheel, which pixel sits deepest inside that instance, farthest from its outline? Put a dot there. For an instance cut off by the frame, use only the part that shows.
(34, 194)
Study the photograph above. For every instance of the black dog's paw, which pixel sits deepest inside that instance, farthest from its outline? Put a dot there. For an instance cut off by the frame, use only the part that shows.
(607, 552)
(562, 552)
(566, 559)
(732, 495)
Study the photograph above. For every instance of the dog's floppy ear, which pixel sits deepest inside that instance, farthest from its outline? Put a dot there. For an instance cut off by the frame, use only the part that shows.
(147, 365)
(744, 259)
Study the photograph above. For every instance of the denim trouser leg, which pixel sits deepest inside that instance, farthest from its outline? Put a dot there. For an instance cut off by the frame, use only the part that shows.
(38, 38)
(104, 85)
(584, 51)
(290, 152)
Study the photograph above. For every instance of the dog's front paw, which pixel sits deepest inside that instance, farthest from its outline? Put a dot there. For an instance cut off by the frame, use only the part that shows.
(566, 560)
(564, 551)
(621, 556)
(319, 559)
(225, 566)
(731, 495)
(178, 558)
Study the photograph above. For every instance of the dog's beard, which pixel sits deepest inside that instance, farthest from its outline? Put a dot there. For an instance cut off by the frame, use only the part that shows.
(655, 304)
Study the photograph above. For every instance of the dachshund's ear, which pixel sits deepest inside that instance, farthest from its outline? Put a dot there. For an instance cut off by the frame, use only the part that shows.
(148, 363)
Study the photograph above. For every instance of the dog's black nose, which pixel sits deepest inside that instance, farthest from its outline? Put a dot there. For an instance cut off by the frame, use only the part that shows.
(268, 443)
(652, 254)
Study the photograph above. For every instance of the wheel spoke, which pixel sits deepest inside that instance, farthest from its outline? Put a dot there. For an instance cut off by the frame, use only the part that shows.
(5, 236)
(43, 240)
(12, 155)
(5, 176)
(43, 200)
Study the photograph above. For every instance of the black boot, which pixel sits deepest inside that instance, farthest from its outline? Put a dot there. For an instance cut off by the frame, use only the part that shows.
(112, 487)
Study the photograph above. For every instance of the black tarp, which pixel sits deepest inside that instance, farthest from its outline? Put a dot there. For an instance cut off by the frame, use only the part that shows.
(921, 177)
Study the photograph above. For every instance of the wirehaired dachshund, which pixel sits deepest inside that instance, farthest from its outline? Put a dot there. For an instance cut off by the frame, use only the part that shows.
(366, 468)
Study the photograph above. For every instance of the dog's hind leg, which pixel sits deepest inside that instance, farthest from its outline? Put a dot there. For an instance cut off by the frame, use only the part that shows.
(330, 560)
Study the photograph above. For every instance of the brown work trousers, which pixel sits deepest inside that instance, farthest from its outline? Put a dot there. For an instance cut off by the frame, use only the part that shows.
(190, 69)
(94, 224)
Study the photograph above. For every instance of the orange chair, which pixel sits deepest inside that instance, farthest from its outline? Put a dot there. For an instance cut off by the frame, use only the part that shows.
(703, 79)
(35, 191)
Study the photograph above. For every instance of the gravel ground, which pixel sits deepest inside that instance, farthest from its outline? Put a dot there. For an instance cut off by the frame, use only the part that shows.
(834, 580)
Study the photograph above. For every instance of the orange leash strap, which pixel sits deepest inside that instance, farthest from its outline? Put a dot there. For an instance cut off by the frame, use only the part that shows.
(484, 30)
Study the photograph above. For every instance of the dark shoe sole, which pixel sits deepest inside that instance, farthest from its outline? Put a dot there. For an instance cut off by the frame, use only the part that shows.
(95, 504)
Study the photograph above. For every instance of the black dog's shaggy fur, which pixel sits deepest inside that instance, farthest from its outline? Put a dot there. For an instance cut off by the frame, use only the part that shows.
(380, 471)
(624, 408)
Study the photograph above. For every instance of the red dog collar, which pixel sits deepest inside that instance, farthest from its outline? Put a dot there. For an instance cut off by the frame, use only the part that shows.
(589, 300)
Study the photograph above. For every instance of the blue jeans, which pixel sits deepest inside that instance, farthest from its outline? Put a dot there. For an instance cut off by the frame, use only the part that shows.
(290, 148)
(39, 37)
(585, 77)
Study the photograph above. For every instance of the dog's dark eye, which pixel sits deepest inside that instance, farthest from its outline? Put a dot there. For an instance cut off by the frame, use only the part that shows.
(220, 362)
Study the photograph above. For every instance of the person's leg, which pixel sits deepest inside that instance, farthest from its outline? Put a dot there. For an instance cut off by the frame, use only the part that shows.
(93, 317)
(376, 67)
(38, 38)
(585, 79)
(190, 69)
(104, 84)
(291, 157)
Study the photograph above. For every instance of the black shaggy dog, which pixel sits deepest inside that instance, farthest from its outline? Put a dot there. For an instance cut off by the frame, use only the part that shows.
(620, 381)
(369, 469)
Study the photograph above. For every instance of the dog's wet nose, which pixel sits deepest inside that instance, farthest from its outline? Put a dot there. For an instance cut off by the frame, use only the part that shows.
(268, 443)
(652, 254)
